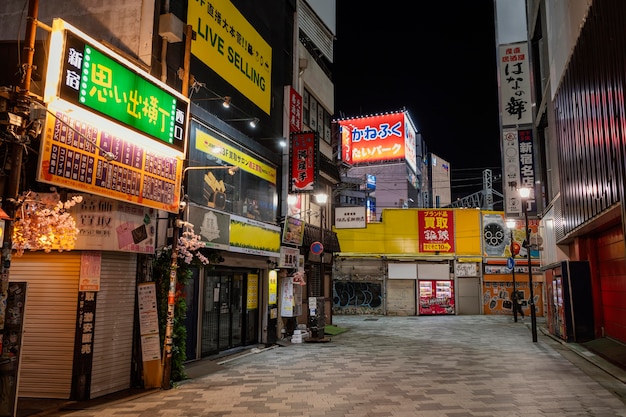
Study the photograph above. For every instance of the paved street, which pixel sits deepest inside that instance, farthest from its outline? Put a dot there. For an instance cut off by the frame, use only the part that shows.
(394, 366)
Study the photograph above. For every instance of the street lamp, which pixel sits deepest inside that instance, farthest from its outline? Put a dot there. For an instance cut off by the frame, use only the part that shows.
(525, 194)
(511, 223)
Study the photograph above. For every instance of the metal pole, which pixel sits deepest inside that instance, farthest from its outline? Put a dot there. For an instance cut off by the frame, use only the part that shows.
(514, 296)
(531, 302)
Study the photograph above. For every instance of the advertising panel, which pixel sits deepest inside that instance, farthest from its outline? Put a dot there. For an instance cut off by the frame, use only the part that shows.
(110, 225)
(228, 44)
(293, 231)
(436, 230)
(373, 138)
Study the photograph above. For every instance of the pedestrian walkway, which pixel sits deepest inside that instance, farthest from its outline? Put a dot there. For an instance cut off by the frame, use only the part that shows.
(392, 366)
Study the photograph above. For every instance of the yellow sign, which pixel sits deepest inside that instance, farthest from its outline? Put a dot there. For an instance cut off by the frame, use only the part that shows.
(228, 44)
(213, 146)
(273, 287)
(74, 154)
(252, 299)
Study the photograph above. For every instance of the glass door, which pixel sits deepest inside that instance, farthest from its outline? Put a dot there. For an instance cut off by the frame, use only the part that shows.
(222, 311)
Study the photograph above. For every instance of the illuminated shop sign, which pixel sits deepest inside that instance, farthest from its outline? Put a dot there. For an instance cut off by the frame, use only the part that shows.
(227, 43)
(374, 139)
(98, 80)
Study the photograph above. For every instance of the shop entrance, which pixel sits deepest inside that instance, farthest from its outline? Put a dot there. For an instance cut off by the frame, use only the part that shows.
(222, 317)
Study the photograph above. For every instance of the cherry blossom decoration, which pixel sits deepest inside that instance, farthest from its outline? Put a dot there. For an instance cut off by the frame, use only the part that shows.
(43, 222)
(189, 245)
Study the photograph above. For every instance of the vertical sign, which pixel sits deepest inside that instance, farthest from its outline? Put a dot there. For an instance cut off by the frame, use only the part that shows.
(303, 156)
(519, 170)
(83, 344)
(515, 93)
(295, 110)
(436, 230)
(511, 172)
(527, 168)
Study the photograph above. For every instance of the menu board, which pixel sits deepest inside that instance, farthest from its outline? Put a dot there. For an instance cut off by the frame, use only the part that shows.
(74, 155)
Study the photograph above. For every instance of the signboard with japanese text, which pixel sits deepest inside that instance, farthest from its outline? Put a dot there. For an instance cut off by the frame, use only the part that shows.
(111, 128)
(515, 92)
(72, 156)
(87, 74)
(111, 225)
(303, 160)
(519, 170)
(213, 146)
(350, 218)
(436, 230)
(288, 257)
(228, 44)
(374, 139)
(295, 109)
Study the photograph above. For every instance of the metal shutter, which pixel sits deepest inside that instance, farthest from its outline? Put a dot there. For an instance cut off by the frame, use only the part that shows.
(113, 337)
(49, 323)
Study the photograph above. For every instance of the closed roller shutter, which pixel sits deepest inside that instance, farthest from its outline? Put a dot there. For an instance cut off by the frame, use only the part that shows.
(49, 323)
(113, 338)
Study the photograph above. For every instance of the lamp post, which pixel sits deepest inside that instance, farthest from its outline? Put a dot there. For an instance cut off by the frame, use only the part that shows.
(525, 194)
(511, 223)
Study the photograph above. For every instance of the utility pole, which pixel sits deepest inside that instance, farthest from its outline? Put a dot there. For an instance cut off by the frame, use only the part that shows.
(171, 295)
(19, 111)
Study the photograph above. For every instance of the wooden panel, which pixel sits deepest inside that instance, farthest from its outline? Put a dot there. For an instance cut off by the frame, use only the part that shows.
(50, 322)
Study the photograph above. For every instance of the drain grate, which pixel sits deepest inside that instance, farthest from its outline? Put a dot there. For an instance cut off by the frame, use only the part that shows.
(371, 320)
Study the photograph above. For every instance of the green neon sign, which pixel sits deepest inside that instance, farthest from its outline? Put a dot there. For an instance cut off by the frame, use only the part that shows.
(97, 81)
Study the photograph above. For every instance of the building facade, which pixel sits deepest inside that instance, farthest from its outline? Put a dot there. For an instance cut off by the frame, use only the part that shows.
(198, 166)
(562, 120)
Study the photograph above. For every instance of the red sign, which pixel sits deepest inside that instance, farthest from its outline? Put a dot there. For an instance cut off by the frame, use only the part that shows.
(436, 230)
(303, 156)
(373, 138)
(295, 111)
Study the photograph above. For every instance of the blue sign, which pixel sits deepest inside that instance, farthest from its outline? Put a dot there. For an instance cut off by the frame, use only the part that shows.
(510, 263)
(317, 248)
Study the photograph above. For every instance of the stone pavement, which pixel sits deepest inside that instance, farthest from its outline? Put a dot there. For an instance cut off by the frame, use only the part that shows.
(457, 366)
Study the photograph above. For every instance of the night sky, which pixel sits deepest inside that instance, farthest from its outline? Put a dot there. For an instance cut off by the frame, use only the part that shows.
(438, 61)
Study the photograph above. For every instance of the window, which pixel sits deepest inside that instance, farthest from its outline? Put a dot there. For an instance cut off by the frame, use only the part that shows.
(315, 116)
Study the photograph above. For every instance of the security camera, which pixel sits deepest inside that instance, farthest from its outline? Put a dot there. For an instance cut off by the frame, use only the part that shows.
(182, 205)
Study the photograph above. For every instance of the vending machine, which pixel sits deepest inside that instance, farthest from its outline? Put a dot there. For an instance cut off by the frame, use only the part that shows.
(570, 301)
(436, 297)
